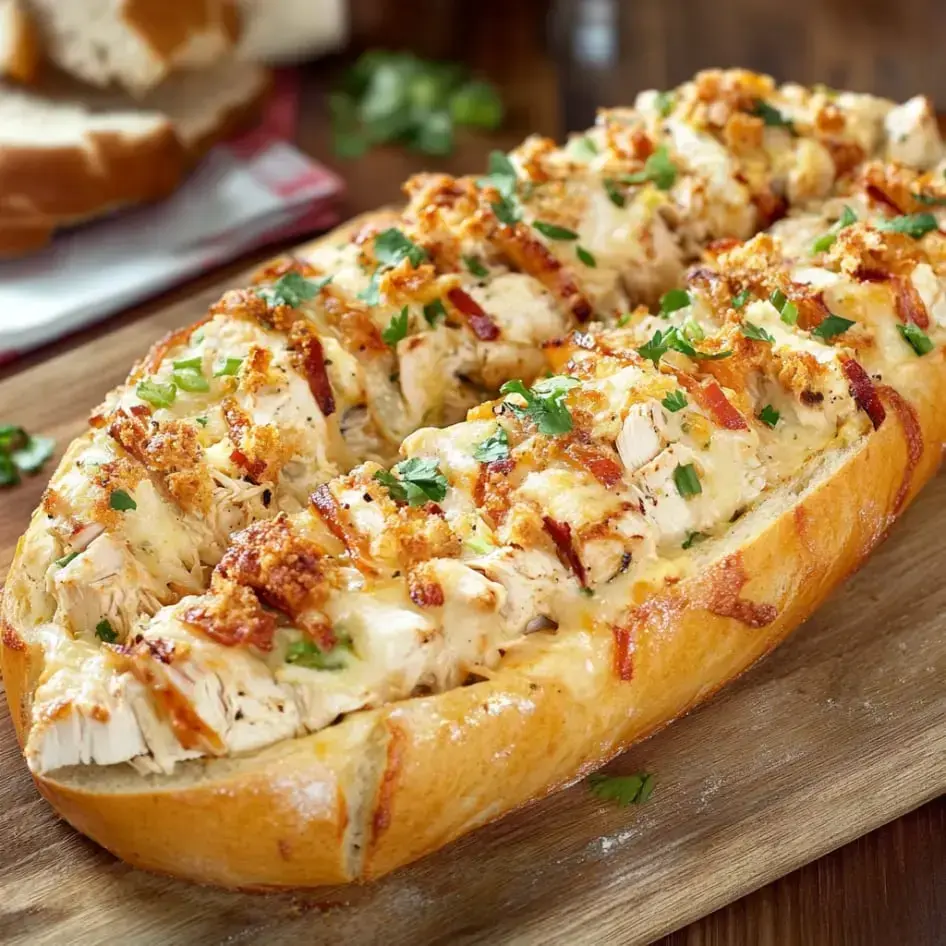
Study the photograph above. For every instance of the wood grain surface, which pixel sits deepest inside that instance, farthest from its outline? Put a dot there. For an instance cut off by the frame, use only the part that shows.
(841, 730)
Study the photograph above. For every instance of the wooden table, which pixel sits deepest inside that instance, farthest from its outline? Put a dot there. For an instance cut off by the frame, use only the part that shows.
(887, 887)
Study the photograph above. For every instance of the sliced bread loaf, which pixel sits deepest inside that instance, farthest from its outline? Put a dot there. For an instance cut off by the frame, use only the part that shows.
(19, 44)
(134, 44)
(68, 153)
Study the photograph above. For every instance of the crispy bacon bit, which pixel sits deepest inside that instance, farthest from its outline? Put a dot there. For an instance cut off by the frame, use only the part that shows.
(234, 617)
(709, 395)
(623, 653)
(722, 245)
(812, 310)
(846, 156)
(722, 596)
(863, 391)
(492, 488)
(281, 566)
(642, 144)
(312, 358)
(482, 324)
(912, 432)
(909, 303)
(328, 509)
(258, 448)
(880, 198)
(425, 594)
(593, 458)
(534, 258)
(561, 535)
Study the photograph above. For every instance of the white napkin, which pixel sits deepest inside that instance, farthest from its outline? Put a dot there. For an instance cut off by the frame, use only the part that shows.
(242, 195)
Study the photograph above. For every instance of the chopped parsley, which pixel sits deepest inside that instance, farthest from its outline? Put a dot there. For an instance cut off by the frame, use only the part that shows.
(740, 299)
(673, 300)
(307, 653)
(615, 194)
(827, 240)
(228, 368)
(623, 789)
(771, 116)
(202, 421)
(675, 401)
(658, 169)
(553, 231)
(418, 481)
(769, 415)
(21, 453)
(686, 480)
(501, 174)
(507, 211)
(664, 102)
(156, 393)
(391, 246)
(693, 538)
(434, 312)
(756, 332)
(831, 326)
(291, 289)
(583, 148)
(121, 501)
(929, 200)
(787, 310)
(191, 380)
(494, 447)
(475, 267)
(104, 631)
(586, 257)
(545, 403)
(912, 225)
(916, 338)
(397, 328)
(662, 342)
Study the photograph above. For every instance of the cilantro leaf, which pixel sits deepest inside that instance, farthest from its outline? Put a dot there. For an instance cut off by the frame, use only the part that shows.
(831, 326)
(545, 403)
(756, 333)
(121, 501)
(104, 631)
(156, 393)
(501, 174)
(623, 789)
(494, 447)
(769, 415)
(586, 257)
(434, 312)
(673, 300)
(615, 194)
(675, 401)
(553, 231)
(418, 481)
(658, 168)
(291, 289)
(475, 267)
(397, 328)
(913, 225)
(771, 116)
(740, 299)
(507, 211)
(391, 246)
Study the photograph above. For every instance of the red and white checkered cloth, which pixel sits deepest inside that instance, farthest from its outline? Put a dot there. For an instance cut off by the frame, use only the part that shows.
(245, 193)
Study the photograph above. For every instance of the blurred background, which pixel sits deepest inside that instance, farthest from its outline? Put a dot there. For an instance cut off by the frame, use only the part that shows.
(278, 118)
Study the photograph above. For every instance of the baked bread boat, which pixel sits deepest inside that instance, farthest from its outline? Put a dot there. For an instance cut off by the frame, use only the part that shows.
(234, 608)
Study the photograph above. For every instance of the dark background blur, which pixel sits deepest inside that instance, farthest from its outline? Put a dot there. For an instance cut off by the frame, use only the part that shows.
(601, 52)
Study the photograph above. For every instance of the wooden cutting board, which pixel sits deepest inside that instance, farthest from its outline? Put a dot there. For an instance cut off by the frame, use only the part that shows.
(839, 731)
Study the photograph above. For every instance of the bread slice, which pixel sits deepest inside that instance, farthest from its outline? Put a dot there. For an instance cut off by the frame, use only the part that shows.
(19, 43)
(68, 153)
(134, 44)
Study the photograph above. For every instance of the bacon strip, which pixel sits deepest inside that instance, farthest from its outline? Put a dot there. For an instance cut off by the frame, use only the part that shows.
(863, 391)
(909, 303)
(623, 653)
(561, 534)
(709, 395)
(425, 594)
(605, 469)
(327, 507)
(237, 425)
(313, 364)
(482, 324)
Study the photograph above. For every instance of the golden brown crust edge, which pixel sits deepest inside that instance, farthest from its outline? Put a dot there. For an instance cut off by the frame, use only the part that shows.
(24, 64)
(440, 766)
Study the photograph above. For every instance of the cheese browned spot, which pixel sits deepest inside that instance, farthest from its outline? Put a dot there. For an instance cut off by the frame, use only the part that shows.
(171, 451)
(232, 616)
(722, 594)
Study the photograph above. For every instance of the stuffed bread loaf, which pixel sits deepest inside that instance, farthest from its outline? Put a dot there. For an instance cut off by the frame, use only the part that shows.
(229, 610)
